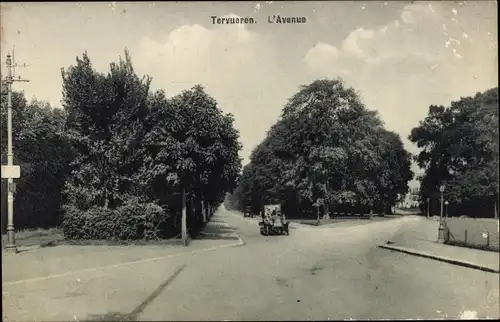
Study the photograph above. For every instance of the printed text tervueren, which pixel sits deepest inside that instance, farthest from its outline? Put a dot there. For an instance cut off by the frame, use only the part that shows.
(232, 20)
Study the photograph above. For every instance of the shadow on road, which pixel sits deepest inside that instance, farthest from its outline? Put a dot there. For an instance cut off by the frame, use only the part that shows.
(215, 231)
(133, 316)
(216, 237)
(216, 220)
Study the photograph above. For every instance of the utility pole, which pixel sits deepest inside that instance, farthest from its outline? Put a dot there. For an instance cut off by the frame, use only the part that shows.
(428, 206)
(10, 172)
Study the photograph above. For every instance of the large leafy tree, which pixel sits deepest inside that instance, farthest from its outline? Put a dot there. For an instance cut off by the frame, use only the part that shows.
(394, 169)
(460, 150)
(105, 126)
(325, 153)
(190, 145)
(119, 151)
(40, 148)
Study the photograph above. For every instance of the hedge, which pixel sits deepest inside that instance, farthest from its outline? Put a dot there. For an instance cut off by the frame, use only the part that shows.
(132, 221)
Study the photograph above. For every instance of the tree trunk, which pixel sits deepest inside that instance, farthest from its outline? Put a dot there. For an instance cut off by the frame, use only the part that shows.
(106, 200)
(327, 213)
(388, 209)
(184, 219)
(193, 209)
(203, 213)
(428, 207)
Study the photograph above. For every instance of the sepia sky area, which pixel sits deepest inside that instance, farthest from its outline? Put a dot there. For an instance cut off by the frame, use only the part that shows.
(400, 56)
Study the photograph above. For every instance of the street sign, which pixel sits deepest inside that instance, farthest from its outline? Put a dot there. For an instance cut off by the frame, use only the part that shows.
(11, 172)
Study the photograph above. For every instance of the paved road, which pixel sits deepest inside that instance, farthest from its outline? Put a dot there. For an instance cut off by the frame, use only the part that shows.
(313, 274)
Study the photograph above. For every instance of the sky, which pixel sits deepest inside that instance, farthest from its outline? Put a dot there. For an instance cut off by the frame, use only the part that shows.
(400, 56)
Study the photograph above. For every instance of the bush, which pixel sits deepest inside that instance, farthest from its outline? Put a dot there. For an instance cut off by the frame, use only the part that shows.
(132, 221)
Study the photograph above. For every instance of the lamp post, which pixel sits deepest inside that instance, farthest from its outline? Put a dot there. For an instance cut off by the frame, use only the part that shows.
(446, 208)
(441, 224)
(11, 241)
(11, 171)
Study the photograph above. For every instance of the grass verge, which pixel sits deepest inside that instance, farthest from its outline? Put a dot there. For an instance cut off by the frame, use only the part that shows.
(54, 236)
(473, 233)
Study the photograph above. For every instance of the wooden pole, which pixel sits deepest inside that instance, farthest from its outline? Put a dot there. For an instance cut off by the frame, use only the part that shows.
(184, 219)
(203, 211)
(428, 207)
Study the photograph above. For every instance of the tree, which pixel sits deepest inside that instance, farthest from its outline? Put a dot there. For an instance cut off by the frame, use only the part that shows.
(104, 198)
(139, 150)
(394, 172)
(460, 150)
(324, 153)
(43, 153)
(105, 126)
(190, 145)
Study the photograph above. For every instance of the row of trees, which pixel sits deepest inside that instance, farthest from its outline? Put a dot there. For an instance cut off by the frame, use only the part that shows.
(44, 155)
(127, 158)
(327, 153)
(460, 150)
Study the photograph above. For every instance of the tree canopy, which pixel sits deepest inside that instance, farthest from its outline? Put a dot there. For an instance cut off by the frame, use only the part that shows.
(133, 144)
(40, 148)
(117, 156)
(460, 150)
(328, 151)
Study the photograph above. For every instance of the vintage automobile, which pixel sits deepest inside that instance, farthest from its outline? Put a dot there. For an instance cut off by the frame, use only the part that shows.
(248, 212)
(273, 221)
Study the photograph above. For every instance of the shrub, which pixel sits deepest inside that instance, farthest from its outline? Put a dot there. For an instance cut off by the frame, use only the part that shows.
(140, 221)
(132, 221)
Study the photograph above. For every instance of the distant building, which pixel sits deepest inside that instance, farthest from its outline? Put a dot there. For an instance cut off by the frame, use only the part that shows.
(411, 199)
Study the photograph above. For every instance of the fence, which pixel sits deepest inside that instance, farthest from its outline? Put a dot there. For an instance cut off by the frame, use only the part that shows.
(473, 233)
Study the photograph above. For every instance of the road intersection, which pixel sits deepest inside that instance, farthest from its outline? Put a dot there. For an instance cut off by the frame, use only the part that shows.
(313, 274)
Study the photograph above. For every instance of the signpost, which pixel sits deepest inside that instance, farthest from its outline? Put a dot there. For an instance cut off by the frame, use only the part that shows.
(10, 171)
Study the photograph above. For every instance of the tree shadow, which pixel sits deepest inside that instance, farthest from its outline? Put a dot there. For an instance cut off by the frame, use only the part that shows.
(134, 314)
(216, 237)
(214, 231)
(224, 233)
(218, 230)
(216, 221)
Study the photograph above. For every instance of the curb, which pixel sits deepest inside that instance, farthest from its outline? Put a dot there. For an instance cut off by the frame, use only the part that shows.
(351, 228)
(240, 243)
(123, 264)
(440, 258)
